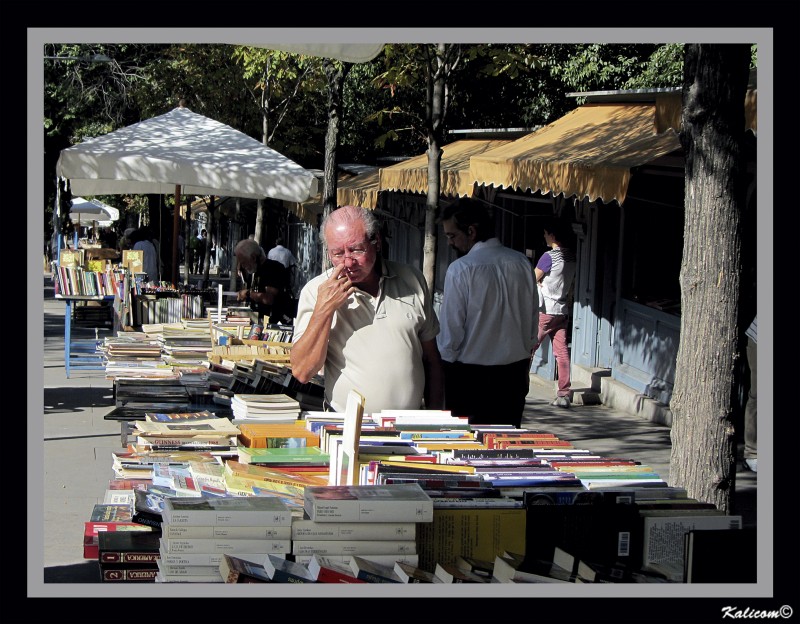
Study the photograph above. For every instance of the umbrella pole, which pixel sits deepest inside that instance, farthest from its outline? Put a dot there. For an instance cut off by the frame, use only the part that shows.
(176, 219)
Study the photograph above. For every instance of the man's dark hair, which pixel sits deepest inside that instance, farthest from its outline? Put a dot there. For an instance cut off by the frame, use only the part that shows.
(467, 211)
(279, 241)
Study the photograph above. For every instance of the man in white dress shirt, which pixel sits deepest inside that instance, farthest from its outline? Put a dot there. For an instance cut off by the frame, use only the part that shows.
(488, 319)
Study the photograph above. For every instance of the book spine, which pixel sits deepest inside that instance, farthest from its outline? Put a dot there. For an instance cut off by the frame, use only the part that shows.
(233, 546)
(310, 530)
(206, 518)
(193, 559)
(108, 575)
(188, 570)
(217, 532)
(128, 557)
(369, 511)
(355, 547)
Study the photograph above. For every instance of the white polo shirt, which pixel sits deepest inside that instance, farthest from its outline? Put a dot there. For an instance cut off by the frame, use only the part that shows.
(375, 342)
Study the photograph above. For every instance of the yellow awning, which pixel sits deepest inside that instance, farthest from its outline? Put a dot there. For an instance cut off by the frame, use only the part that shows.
(589, 153)
(412, 175)
(669, 107)
(359, 190)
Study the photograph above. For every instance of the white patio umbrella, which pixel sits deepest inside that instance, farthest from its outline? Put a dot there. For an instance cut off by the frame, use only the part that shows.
(90, 210)
(185, 153)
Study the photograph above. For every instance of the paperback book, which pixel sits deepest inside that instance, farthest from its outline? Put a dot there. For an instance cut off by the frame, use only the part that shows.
(282, 570)
(324, 569)
(235, 569)
(234, 510)
(405, 502)
(305, 529)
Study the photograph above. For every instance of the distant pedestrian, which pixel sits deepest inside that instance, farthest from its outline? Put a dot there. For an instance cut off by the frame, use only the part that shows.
(555, 274)
(141, 240)
(200, 251)
(281, 254)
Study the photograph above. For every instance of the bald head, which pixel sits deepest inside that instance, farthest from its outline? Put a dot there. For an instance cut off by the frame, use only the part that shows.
(349, 219)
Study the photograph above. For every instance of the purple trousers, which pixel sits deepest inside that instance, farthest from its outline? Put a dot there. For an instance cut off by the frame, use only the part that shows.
(555, 326)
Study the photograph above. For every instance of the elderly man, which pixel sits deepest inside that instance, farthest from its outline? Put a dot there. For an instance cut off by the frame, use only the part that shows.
(368, 321)
(268, 291)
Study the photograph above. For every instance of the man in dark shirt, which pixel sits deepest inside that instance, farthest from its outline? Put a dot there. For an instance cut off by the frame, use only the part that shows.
(269, 291)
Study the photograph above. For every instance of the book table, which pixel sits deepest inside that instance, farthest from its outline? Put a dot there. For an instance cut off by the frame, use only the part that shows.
(83, 353)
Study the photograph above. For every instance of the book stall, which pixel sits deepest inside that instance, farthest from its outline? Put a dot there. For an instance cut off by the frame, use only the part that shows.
(242, 478)
(230, 471)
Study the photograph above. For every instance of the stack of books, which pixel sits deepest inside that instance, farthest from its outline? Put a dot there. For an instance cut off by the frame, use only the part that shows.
(377, 523)
(128, 556)
(266, 408)
(196, 533)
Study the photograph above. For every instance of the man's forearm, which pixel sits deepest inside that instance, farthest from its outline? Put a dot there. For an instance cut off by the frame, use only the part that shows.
(309, 352)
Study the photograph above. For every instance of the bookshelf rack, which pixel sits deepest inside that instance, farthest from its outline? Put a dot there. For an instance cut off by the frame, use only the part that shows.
(80, 353)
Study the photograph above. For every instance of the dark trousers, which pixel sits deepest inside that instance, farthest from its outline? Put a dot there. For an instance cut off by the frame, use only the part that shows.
(488, 395)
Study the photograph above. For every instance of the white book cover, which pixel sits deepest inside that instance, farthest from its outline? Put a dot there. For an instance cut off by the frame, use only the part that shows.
(231, 510)
(403, 502)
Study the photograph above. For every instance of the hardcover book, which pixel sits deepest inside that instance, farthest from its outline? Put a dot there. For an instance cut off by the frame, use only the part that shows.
(404, 502)
(109, 573)
(128, 547)
(91, 530)
(234, 510)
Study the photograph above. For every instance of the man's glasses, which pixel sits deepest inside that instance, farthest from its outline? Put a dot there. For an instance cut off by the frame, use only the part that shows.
(352, 252)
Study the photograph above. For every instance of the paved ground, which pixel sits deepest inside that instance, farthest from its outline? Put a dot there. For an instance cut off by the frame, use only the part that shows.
(77, 446)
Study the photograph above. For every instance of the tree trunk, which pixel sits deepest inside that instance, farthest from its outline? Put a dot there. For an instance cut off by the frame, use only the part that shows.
(436, 108)
(336, 73)
(703, 456)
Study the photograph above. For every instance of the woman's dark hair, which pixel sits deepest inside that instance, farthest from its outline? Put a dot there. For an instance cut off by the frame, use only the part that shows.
(560, 231)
